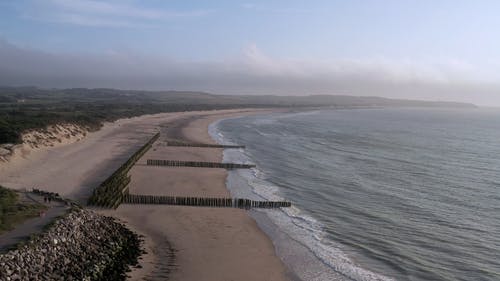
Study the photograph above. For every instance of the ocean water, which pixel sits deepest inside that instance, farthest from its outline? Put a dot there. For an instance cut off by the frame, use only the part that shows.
(378, 194)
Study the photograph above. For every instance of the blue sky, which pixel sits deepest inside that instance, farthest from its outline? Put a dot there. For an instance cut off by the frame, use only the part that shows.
(384, 44)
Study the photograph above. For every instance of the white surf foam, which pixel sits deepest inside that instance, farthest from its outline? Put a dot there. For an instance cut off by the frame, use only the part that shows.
(294, 222)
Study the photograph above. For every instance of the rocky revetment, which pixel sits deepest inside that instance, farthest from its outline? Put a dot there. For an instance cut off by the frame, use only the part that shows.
(81, 245)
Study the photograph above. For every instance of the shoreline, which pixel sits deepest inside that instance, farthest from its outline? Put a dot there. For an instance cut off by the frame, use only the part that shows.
(208, 244)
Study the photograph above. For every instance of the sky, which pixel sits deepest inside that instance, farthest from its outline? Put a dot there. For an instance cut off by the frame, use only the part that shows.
(411, 49)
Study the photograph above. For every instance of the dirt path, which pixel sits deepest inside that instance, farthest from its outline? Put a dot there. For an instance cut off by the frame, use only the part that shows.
(31, 226)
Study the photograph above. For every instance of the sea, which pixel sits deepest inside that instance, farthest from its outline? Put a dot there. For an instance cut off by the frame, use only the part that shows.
(377, 194)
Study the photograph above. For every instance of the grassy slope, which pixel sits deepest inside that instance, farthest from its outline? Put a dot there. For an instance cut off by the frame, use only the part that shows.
(13, 212)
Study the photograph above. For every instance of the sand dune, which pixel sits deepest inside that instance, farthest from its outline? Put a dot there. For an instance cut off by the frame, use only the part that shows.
(41, 139)
(208, 244)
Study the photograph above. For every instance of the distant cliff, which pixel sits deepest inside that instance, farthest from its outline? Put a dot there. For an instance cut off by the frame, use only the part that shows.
(339, 101)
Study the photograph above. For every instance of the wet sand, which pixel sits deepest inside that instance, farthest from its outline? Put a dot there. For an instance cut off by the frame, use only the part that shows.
(183, 243)
(210, 243)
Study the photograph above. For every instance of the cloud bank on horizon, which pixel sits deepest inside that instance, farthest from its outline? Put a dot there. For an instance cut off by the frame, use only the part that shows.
(39, 61)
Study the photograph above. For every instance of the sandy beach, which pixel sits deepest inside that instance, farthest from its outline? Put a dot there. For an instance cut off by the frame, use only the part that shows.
(183, 243)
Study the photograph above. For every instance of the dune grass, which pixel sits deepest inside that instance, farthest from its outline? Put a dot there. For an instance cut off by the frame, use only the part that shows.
(13, 212)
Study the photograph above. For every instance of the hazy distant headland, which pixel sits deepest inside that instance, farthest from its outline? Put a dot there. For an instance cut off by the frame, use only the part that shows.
(24, 108)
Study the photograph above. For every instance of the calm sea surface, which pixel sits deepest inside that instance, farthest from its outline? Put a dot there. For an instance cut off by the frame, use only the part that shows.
(378, 194)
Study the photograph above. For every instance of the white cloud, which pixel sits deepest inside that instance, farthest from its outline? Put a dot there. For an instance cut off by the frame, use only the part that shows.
(104, 8)
(108, 13)
(86, 20)
(248, 5)
(380, 69)
(252, 73)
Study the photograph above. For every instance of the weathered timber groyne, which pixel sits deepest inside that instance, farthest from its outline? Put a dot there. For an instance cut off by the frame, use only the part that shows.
(82, 245)
(110, 192)
(197, 164)
(203, 201)
(197, 144)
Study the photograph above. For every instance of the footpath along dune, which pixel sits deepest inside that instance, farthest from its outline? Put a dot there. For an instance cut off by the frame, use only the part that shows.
(187, 243)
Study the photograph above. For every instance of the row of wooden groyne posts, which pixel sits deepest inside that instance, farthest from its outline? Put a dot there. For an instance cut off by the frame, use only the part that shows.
(197, 164)
(114, 190)
(197, 144)
(203, 201)
(110, 192)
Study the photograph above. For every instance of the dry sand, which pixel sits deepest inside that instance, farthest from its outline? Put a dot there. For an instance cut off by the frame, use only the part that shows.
(183, 243)
(37, 140)
(210, 244)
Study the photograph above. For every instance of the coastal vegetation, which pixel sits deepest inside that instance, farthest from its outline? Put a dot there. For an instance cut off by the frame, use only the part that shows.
(13, 211)
(24, 108)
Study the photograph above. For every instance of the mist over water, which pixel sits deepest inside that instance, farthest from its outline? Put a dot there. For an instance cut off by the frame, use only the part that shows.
(378, 194)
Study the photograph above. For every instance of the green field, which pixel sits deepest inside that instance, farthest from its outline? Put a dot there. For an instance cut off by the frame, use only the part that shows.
(13, 212)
